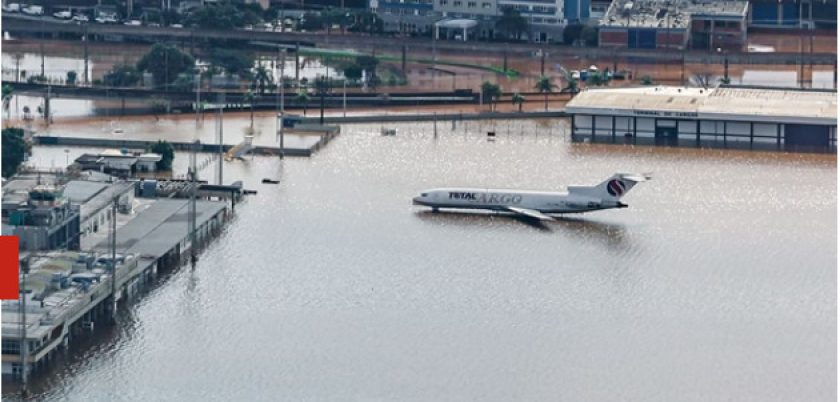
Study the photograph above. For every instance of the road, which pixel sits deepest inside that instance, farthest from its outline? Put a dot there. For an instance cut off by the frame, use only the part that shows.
(17, 24)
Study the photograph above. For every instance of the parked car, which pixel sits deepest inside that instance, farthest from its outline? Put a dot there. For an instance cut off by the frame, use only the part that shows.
(134, 23)
(66, 14)
(12, 8)
(34, 10)
(81, 18)
(176, 26)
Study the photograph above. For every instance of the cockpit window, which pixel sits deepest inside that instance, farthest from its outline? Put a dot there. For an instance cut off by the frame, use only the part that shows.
(423, 195)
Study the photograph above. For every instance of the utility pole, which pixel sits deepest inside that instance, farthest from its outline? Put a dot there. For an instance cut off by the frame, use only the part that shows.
(192, 205)
(403, 58)
(197, 97)
(282, 114)
(220, 133)
(542, 61)
(23, 350)
(87, 75)
(297, 62)
(113, 236)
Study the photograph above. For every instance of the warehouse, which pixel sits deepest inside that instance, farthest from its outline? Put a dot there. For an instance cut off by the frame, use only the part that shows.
(764, 118)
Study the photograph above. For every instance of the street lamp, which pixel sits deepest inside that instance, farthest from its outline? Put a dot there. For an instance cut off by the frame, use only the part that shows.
(725, 64)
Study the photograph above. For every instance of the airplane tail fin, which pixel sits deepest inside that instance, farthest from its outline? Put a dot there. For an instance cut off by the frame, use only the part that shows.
(613, 188)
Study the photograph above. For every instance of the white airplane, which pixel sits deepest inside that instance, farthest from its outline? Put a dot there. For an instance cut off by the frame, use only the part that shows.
(535, 204)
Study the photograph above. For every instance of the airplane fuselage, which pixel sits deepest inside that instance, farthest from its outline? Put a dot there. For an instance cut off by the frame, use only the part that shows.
(504, 200)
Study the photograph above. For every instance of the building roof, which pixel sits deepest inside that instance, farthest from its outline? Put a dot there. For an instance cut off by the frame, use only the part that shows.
(674, 14)
(160, 227)
(778, 105)
(80, 191)
(457, 24)
(103, 198)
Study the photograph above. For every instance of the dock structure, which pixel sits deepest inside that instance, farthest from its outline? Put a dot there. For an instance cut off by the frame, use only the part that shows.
(67, 293)
(739, 117)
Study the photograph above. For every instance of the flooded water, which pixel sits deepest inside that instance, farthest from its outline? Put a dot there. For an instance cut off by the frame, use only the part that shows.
(718, 283)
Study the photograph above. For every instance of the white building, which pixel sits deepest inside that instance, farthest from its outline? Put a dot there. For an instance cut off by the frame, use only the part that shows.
(724, 117)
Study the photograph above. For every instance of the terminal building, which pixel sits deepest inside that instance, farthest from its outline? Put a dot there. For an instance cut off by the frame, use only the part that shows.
(762, 118)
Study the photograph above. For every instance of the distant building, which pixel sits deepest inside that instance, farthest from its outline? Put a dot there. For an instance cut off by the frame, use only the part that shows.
(807, 14)
(727, 117)
(118, 163)
(656, 24)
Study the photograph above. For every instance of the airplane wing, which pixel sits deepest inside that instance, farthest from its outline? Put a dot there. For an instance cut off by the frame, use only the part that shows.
(530, 213)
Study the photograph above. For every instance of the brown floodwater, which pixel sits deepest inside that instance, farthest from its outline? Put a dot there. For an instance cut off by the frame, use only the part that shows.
(717, 283)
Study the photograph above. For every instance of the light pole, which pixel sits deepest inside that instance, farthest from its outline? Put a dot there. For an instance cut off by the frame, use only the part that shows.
(24, 268)
(282, 83)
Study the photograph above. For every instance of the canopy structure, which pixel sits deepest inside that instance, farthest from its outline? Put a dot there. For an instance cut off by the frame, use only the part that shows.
(459, 24)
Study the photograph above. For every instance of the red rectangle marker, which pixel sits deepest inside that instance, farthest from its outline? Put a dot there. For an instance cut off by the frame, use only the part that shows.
(9, 267)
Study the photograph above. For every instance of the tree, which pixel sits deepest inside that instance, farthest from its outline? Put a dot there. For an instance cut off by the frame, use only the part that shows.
(312, 22)
(221, 16)
(232, 61)
(490, 93)
(589, 36)
(368, 63)
(165, 62)
(303, 98)
(14, 150)
(518, 99)
(545, 86)
(511, 24)
(262, 77)
(725, 80)
(71, 77)
(572, 33)
(646, 80)
(167, 153)
(121, 75)
(353, 72)
(597, 79)
(369, 22)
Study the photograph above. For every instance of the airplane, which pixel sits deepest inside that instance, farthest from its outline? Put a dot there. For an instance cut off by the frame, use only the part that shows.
(535, 204)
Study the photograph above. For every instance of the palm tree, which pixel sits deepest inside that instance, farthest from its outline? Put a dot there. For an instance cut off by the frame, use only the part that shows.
(303, 98)
(546, 86)
(490, 93)
(518, 99)
(250, 97)
(262, 76)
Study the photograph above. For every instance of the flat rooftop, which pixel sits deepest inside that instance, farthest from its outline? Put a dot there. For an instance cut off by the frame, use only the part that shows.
(161, 226)
(675, 14)
(775, 105)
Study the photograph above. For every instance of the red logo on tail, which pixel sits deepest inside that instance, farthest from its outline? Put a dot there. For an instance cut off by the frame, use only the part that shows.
(615, 188)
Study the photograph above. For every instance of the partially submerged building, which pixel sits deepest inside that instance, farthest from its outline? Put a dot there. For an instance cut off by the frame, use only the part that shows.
(726, 117)
(675, 24)
(36, 211)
